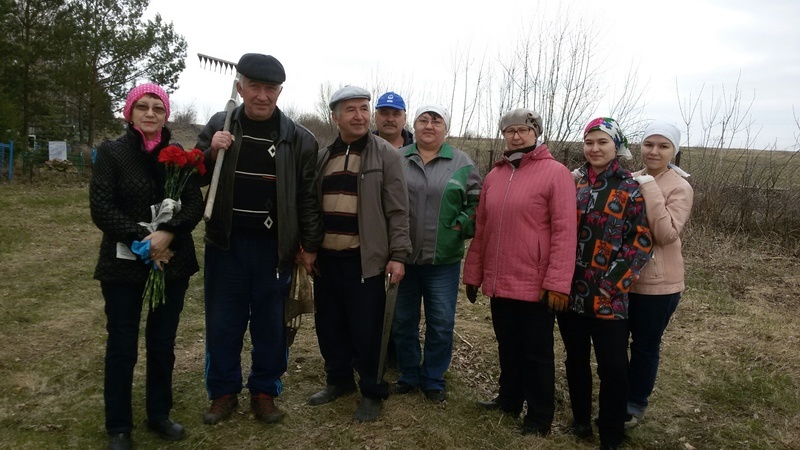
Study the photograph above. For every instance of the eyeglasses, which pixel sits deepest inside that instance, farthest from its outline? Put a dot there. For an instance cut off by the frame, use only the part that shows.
(522, 132)
(157, 110)
(435, 123)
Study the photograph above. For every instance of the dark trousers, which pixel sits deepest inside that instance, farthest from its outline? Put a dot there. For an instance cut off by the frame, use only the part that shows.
(242, 285)
(610, 339)
(349, 321)
(524, 332)
(123, 307)
(648, 317)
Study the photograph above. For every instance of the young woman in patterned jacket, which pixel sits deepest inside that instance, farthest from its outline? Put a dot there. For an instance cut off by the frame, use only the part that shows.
(614, 243)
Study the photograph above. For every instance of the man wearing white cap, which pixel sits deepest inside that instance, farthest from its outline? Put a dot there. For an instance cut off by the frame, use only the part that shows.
(365, 224)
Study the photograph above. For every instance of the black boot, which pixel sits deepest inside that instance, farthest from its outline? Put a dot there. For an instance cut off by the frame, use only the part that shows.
(368, 410)
(330, 393)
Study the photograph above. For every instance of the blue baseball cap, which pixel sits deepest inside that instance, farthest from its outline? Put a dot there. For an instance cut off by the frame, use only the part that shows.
(391, 100)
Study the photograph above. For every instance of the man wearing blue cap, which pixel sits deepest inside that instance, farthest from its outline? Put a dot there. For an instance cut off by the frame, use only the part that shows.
(390, 119)
(266, 208)
(364, 202)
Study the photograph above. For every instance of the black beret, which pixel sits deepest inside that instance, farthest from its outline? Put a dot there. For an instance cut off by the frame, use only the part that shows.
(258, 67)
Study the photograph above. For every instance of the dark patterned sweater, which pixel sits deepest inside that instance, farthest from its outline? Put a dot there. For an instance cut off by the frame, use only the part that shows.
(126, 181)
(614, 242)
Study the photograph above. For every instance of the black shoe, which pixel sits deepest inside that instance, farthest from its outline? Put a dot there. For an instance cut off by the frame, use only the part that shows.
(330, 393)
(368, 410)
(494, 404)
(119, 441)
(581, 430)
(528, 430)
(631, 421)
(403, 388)
(167, 429)
(529, 427)
(436, 395)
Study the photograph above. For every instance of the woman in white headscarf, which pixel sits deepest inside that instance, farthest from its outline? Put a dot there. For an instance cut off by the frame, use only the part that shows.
(653, 299)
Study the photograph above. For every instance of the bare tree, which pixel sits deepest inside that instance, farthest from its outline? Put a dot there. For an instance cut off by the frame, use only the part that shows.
(321, 107)
(628, 105)
(737, 187)
(553, 69)
(185, 114)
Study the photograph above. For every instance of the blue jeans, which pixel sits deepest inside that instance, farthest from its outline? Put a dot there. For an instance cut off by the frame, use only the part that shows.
(435, 287)
(243, 285)
(123, 307)
(648, 318)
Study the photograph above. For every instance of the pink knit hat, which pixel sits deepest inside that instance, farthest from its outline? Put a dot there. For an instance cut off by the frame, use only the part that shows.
(140, 91)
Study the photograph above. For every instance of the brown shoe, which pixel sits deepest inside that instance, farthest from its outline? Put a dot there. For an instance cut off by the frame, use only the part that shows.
(264, 408)
(221, 408)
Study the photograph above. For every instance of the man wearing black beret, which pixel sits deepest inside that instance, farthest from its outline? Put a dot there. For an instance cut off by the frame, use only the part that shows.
(266, 216)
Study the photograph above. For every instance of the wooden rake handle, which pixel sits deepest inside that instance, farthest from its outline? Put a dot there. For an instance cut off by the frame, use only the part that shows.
(212, 188)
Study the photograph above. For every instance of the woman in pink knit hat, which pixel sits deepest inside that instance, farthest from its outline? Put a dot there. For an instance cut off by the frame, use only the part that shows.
(127, 180)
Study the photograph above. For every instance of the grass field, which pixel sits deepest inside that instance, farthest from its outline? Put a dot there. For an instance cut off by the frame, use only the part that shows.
(730, 376)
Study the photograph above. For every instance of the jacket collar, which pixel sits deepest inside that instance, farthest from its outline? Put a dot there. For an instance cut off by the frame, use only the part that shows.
(408, 137)
(166, 135)
(539, 152)
(286, 126)
(445, 151)
(614, 169)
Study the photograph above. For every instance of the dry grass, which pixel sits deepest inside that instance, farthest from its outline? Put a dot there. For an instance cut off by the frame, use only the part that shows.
(729, 377)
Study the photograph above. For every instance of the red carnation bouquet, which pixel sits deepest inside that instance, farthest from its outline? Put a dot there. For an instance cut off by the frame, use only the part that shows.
(179, 166)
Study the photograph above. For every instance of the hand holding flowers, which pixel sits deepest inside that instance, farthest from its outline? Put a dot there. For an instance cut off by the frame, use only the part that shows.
(179, 165)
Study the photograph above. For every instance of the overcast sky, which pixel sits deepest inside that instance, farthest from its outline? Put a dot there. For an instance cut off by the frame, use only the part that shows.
(411, 45)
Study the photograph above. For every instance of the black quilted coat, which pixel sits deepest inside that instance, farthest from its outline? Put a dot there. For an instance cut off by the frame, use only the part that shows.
(126, 180)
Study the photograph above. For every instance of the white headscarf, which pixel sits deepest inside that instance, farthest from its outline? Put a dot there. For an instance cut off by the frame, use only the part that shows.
(672, 133)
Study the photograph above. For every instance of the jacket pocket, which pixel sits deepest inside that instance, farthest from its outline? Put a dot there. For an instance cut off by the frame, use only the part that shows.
(535, 252)
(370, 173)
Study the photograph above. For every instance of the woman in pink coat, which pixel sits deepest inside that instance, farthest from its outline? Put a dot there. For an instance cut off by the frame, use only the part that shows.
(653, 299)
(523, 255)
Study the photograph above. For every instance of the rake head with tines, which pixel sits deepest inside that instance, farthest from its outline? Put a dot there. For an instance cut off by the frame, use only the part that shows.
(223, 66)
(216, 64)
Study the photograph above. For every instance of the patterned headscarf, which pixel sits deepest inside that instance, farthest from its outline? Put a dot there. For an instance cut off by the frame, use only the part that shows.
(611, 127)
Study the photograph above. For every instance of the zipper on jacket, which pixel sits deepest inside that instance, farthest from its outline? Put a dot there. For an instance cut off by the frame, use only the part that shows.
(500, 230)
(346, 156)
(362, 279)
(277, 273)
